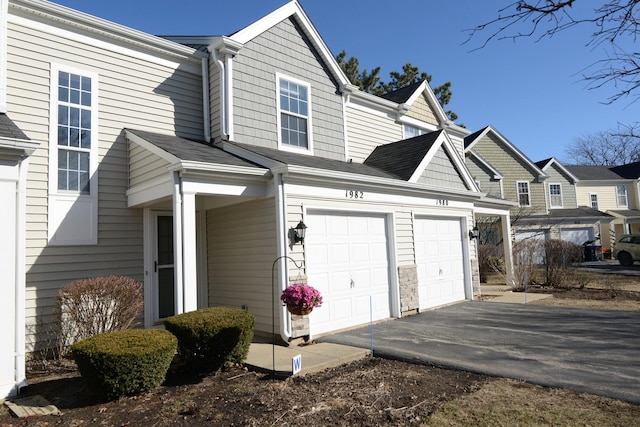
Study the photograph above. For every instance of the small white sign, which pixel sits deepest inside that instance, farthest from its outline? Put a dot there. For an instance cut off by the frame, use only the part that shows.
(296, 364)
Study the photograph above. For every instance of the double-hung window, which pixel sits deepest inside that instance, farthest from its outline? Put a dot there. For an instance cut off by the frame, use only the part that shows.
(73, 156)
(523, 193)
(294, 114)
(621, 192)
(555, 195)
(411, 131)
(594, 200)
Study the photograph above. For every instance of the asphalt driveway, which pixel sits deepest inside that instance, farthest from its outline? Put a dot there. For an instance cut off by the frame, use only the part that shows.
(594, 351)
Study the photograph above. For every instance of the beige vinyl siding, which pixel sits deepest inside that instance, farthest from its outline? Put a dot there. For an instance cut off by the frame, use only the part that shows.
(441, 172)
(607, 196)
(132, 93)
(367, 130)
(556, 176)
(148, 166)
(241, 250)
(421, 110)
(284, 49)
(513, 169)
(405, 247)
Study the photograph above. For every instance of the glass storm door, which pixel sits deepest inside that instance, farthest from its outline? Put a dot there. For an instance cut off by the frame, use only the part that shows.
(163, 266)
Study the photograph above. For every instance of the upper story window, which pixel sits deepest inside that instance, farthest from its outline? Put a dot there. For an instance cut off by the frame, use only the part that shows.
(594, 200)
(294, 114)
(411, 131)
(523, 193)
(73, 157)
(555, 195)
(74, 132)
(621, 192)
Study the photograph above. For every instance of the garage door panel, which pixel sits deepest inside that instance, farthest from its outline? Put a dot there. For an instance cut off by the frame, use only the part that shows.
(440, 261)
(356, 265)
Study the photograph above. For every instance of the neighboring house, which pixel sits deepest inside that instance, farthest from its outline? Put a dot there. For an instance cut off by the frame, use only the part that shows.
(614, 190)
(186, 163)
(545, 192)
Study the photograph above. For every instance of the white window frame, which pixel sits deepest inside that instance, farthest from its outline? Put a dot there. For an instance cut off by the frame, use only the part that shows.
(528, 193)
(556, 196)
(72, 216)
(410, 131)
(287, 147)
(593, 197)
(625, 203)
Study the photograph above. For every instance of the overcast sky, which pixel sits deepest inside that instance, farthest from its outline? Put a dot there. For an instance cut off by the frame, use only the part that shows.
(530, 91)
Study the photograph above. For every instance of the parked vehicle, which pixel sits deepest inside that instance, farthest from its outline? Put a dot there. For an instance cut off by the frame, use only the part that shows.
(627, 249)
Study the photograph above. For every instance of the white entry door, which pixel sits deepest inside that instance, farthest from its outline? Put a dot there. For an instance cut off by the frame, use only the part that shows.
(348, 262)
(440, 261)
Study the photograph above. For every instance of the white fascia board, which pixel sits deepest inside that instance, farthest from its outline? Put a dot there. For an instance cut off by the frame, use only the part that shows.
(562, 168)
(151, 147)
(17, 147)
(194, 167)
(293, 9)
(149, 192)
(496, 173)
(366, 181)
(445, 142)
(357, 97)
(120, 34)
(541, 175)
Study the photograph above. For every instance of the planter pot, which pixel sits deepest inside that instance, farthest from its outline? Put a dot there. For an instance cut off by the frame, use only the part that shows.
(298, 309)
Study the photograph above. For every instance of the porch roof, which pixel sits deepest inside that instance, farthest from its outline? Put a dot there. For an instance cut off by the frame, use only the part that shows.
(580, 213)
(627, 214)
(192, 150)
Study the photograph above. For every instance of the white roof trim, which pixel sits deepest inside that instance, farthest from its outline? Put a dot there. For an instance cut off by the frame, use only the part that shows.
(293, 9)
(512, 147)
(561, 167)
(496, 173)
(444, 141)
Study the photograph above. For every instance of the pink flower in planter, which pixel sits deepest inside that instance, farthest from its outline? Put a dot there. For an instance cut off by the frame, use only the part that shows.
(302, 295)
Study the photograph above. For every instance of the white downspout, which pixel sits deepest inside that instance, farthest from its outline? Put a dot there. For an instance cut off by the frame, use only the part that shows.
(4, 12)
(20, 295)
(177, 244)
(228, 80)
(281, 245)
(223, 110)
(206, 108)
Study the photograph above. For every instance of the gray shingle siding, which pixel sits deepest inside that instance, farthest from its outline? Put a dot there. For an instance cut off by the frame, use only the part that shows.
(442, 172)
(284, 49)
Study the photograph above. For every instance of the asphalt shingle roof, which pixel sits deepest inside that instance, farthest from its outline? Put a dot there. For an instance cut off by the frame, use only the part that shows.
(629, 171)
(402, 95)
(402, 158)
(580, 212)
(472, 137)
(8, 129)
(303, 160)
(191, 150)
(593, 172)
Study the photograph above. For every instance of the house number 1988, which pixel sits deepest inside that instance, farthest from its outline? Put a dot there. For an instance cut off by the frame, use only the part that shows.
(354, 194)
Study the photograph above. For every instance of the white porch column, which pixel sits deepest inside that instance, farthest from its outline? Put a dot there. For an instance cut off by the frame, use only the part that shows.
(507, 246)
(189, 252)
(177, 244)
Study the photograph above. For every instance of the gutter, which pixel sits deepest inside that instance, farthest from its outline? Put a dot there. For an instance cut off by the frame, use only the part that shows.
(20, 292)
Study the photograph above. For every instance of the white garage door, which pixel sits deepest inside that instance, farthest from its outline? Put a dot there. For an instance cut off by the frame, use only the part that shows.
(348, 262)
(577, 235)
(440, 261)
(536, 238)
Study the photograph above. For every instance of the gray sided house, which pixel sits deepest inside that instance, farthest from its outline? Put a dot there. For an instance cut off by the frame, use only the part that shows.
(186, 162)
(544, 192)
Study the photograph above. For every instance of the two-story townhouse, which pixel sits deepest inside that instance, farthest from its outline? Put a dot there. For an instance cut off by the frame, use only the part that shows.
(545, 191)
(188, 163)
(613, 190)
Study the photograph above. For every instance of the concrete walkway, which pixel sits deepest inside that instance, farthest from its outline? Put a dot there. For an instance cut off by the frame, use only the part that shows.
(266, 357)
(503, 293)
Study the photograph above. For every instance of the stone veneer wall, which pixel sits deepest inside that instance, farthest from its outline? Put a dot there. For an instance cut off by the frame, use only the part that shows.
(408, 279)
(475, 279)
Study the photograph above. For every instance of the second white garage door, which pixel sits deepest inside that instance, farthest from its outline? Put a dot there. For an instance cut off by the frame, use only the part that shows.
(440, 261)
(348, 262)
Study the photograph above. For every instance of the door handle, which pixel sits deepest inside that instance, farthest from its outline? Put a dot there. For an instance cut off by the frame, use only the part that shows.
(353, 284)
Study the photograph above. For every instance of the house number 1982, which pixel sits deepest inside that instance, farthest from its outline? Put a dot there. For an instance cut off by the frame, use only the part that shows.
(354, 194)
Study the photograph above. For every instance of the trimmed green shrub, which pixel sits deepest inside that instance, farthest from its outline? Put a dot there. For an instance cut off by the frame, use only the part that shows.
(124, 363)
(210, 337)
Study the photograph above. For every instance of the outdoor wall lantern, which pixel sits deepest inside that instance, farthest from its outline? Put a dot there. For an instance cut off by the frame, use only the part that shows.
(473, 233)
(297, 234)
